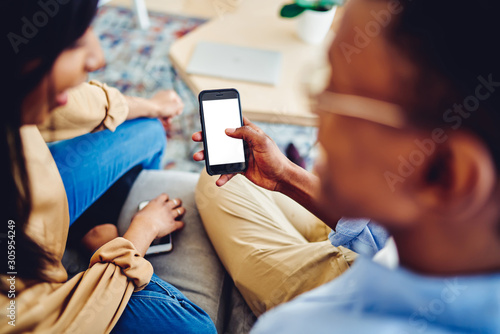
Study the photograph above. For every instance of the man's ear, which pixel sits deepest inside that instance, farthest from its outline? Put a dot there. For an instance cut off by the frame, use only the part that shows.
(459, 178)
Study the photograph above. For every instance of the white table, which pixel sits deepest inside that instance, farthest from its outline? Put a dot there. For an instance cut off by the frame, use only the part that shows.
(256, 23)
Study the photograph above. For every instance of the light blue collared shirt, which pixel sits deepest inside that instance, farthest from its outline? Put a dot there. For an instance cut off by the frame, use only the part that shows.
(370, 298)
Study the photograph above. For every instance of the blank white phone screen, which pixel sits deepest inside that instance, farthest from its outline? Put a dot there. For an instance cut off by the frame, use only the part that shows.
(218, 116)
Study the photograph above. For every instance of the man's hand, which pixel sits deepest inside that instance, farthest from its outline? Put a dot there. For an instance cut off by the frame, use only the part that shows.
(271, 169)
(267, 166)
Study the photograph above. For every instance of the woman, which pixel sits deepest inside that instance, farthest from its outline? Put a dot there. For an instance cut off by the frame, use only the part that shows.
(49, 49)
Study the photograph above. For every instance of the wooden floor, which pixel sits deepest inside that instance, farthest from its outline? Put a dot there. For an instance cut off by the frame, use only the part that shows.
(197, 8)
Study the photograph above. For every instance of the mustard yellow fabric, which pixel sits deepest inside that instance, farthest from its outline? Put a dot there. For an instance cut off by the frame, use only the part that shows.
(273, 248)
(93, 300)
(91, 106)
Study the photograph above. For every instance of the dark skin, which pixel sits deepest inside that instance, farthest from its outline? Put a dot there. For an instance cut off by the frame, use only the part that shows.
(443, 226)
(269, 168)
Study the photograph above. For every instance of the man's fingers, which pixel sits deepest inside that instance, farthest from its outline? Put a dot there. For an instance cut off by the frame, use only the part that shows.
(223, 179)
(197, 136)
(247, 122)
(199, 156)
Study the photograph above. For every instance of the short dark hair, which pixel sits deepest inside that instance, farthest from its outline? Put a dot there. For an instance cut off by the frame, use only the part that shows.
(457, 40)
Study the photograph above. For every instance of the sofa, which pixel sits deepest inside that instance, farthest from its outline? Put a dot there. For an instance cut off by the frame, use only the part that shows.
(192, 266)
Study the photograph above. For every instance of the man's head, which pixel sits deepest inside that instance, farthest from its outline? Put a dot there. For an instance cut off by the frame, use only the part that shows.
(436, 176)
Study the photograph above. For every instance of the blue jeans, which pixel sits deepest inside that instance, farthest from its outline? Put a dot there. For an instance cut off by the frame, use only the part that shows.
(89, 165)
(161, 308)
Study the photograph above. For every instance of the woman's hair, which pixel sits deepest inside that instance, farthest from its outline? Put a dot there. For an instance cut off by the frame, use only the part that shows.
(458, 41)
(34, 33)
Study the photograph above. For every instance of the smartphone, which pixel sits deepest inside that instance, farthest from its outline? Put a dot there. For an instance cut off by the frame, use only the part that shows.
(161, 245)
(221, 109)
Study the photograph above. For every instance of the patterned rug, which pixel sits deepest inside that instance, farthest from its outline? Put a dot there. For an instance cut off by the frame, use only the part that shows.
(138, 64)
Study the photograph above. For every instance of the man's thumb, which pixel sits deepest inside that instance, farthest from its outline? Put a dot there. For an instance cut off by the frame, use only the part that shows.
(232, 132)
(245, 132)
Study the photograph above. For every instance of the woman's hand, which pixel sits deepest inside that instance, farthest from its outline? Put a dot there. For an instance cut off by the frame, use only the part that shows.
(164, 105)
(168, 105)
(163, 214)
(160, 217)
(267, 166)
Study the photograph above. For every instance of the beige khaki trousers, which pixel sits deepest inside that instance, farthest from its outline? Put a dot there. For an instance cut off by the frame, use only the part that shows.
(272, 247)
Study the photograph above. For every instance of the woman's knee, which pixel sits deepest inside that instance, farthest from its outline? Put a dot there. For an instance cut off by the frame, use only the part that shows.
(147, 136)
(148, 130)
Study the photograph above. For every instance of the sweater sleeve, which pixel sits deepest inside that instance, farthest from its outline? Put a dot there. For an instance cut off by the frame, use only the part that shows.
(91, 107)
(91, 302)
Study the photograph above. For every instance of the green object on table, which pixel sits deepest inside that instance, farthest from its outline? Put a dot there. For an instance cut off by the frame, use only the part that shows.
(295, 9)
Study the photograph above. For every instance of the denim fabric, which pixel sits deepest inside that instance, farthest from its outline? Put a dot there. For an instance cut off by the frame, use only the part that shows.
(161, 308)
(359, 235)
(91, 163)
